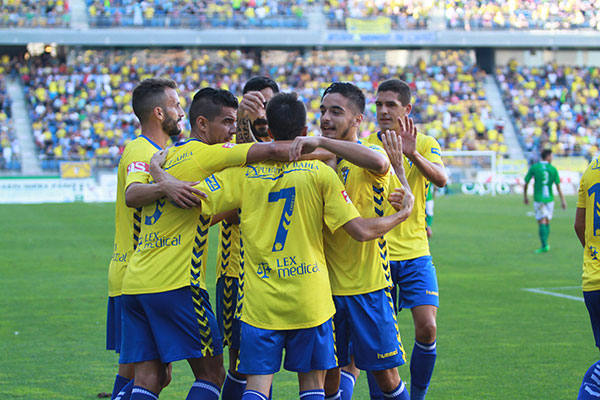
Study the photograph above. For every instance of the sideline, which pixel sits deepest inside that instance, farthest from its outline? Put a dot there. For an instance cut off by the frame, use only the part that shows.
(549, 293)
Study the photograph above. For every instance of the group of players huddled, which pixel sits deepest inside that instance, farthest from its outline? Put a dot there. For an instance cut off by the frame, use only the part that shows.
(322, 239)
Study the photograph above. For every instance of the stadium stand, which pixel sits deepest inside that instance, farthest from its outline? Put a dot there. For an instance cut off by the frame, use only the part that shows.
(554, 106)
(9, 145)
(34, 13)
(403, 14)
(81, 110)
(522, 14)
(198, 14)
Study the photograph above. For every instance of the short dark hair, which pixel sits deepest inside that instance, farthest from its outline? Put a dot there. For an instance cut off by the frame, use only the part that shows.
(258, 83)
(286, 115)
(209, 102)
(401, 88)
(349, 91)
(546, 153)
(148, 94)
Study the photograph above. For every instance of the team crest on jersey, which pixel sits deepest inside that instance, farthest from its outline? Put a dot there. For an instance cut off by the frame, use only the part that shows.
(346, 197)
(228, 145)
(212, 183)
(138, 166)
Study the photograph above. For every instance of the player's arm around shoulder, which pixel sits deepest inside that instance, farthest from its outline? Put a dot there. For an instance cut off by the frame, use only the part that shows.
(180, 193)
(370, 157)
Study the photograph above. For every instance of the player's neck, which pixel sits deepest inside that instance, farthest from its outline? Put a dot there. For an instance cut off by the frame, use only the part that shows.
(158, 136)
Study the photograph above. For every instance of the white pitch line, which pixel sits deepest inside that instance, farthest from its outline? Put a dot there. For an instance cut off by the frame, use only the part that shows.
(564, 296)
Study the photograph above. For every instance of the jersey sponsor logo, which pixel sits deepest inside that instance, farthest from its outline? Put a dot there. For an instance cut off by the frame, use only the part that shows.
(119, 257)
(387, 355)
(228, 145)
(138, 166)
(288, 267)
(212, 183)
(436, 152)
(346, 197)
(153, 240)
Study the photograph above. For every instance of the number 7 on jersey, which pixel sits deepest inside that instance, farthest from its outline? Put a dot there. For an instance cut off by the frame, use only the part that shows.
(289, 195)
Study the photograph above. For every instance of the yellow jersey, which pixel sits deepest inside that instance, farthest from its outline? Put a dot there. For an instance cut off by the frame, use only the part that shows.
(228, 252)
(173, 243)
(284, 208)
(359, 267)
(134, 162)
(409, 239)
(589, 198)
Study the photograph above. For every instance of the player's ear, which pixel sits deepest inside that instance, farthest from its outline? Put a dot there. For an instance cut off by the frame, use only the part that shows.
(358, 119)
(304, 131)
(408, 108)
(158, 113)
(202, 123)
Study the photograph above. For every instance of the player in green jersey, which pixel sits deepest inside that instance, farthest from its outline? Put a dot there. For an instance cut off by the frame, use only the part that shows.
(544, 175)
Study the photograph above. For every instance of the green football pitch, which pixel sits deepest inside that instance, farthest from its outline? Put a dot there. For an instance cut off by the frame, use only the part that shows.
(496, 340)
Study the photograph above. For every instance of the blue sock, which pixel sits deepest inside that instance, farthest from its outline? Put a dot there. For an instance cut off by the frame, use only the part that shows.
(374, 390)
(313, 394)
(234, 386)
(347, 381)
(120, 383)
(590, 387)
(203, 390)
(125, 393)
(422, 362)
(253, 395)
(139, 393)
(336, 396)
(400, 393)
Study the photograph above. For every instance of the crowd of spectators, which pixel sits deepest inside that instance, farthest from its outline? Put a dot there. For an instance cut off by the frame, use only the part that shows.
(81, 109)
(199, 14)
(403, 14)
(522, 14)
(34, 13)
(554, 106)
(9, 145)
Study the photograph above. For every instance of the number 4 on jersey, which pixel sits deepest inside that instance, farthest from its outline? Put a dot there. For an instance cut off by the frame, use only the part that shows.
(289, 194)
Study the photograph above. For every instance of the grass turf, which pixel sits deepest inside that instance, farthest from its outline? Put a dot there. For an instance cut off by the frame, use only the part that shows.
(495, 340)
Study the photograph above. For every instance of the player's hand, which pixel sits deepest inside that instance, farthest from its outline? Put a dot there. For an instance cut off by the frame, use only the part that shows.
(526, 200)
(159, 157)
(303, 145)
(563, 204)
(408, 134)
(252, 106)
(181, 193)
(403, 201)
(392, 144)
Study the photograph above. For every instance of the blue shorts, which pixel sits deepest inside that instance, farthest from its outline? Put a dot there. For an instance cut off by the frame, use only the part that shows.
(113, 324)
(415, 283)
(592, 302)
(227, 292)
(305, 349)
(368, 322)
(169, 326)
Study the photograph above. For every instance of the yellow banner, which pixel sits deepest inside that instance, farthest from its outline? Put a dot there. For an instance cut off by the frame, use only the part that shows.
(577, 164)
(379, 25)
(75, 169)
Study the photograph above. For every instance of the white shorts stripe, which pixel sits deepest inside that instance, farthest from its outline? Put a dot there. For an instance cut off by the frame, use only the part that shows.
(203, 385)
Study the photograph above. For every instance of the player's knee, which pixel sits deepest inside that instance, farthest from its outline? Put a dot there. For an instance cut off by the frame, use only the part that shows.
(426, 333)
(388, 379)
